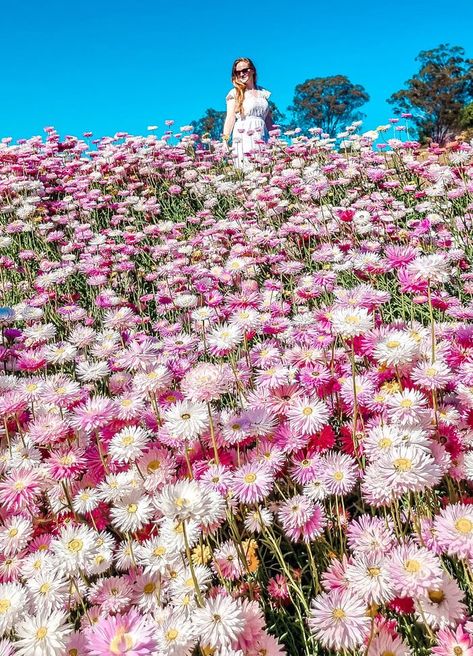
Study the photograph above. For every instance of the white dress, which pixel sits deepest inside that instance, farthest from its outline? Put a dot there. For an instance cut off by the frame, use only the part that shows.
(249, 128)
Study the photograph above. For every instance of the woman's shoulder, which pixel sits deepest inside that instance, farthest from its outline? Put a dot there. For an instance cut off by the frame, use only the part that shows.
(264, 92)
(231, 94)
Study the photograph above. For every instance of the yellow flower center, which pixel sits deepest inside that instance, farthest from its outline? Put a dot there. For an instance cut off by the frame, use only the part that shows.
(406, 403)
(13, 532)
(171, 634)
(149, 588)
(338, 475)
(374, 571)
(75, 545)
(42, 632)
(132, 508)
(249, 478)
(338, 614)
(436, 596)
(307, 411)
(4, 605)
(402, 464)
(127, 440)
(393, 343)
(121, 642)
(412, 566)
(352, 319)
(385, 443)
(154, 465)
(464, 525)
(185, 416)
(159, 551)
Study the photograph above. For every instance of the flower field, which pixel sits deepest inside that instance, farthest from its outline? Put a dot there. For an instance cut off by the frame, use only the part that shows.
(236, 406)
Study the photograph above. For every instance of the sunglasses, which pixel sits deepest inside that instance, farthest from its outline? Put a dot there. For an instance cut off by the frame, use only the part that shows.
(244, 71)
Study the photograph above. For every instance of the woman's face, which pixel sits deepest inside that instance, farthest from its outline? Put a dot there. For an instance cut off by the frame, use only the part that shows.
(244, 72)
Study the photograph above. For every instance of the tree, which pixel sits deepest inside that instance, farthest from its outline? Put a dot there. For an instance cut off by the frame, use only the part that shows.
(328, 103)
(436, 95)
(211, 123)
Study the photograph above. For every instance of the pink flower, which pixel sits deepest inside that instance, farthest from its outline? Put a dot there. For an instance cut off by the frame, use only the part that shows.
(129, 634)
(338, 620)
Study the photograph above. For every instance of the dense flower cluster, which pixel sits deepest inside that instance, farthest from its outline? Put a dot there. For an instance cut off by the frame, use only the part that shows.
(236, 408)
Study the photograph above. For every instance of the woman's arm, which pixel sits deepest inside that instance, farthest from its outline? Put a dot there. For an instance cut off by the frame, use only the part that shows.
(268, 121)
(230, 118)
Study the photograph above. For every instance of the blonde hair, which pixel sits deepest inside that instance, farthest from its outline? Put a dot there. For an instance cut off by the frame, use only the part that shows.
(240, 86)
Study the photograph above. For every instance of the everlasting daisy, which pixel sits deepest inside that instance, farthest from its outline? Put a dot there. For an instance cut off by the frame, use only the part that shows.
(369, 577)
(252, 482)
(132, 513)
(128, 444)
(338, 619)
(339, 473)
(414, 570)
(12, 605)
(350, 322)
(307, 415)
(130, 634)
(454, 530)
(387, 644)
(74, 547)
(432, 376)
(441, 606)
(186, 420)
(219, 622)
(453, 643)
(44, 634)
(396, 348)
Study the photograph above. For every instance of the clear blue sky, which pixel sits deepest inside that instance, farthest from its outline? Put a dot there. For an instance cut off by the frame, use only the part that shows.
(108, 66)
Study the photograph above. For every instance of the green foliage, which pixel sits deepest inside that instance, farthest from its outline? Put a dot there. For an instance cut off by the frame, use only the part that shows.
(437, 94)
(329, 103)
(210, 124)
(466, 117)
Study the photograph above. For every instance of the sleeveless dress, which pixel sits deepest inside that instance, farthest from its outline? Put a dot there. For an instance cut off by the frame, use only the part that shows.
(250, 127)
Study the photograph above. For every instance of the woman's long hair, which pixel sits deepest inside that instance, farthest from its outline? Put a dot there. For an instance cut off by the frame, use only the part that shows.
(240, 86)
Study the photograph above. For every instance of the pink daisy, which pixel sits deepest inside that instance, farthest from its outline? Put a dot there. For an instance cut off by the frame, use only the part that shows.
(454, 530)
(129, 634)
(338, 620)
(252, 482)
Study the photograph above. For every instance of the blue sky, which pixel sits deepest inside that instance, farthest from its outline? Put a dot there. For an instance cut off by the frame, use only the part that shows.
(108, 66)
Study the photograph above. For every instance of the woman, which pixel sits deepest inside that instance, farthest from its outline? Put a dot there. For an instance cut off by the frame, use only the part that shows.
(248, 116)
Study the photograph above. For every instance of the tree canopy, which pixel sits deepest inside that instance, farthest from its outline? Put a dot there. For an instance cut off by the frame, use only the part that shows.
(437, 93)
(329, 103)
(211, 123)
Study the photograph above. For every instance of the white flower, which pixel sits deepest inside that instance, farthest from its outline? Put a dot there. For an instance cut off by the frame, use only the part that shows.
(49, 590)
(14, 535)
(86, 500)
(350, 322)
(182, 500)
(88, 371)
(132, 513)
(396, 348)
(128, 444)
(42, 635)
(219, 623)
(12, 605)
(74, 548)
(186, 420)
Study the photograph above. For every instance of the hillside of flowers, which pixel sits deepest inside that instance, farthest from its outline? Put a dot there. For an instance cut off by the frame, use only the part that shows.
(236, 407)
